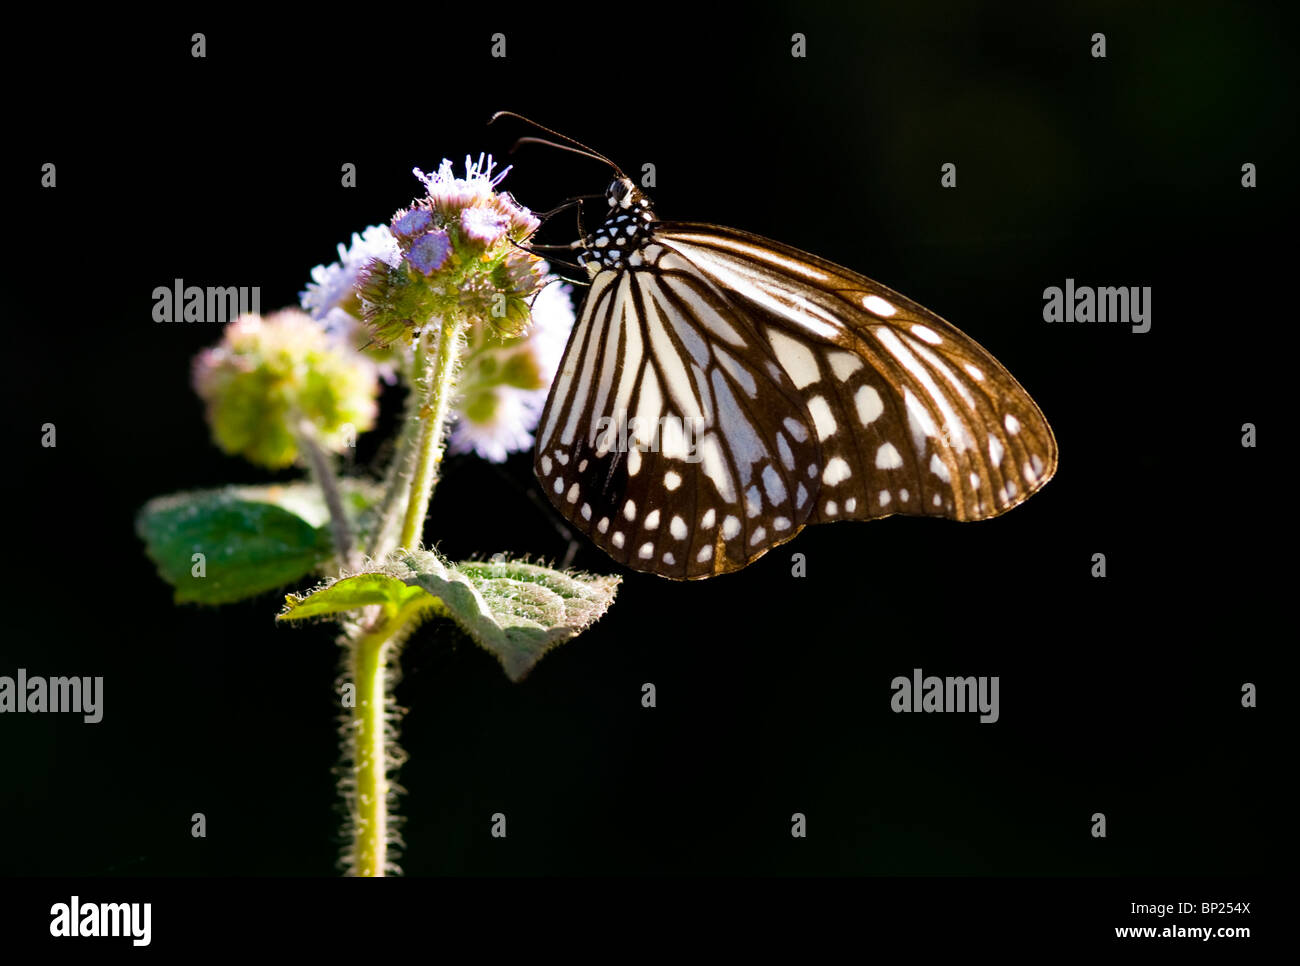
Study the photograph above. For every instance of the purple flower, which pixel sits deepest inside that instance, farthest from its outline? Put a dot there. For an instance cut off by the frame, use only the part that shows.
(411, 223)
(430, 251)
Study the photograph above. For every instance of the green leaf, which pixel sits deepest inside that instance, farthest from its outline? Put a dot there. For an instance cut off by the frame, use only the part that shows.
(517, 611)
(252, 538)
(353, 593)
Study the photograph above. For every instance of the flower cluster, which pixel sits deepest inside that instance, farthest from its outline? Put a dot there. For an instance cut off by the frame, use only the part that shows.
(455, 249)
(266, 375)
(459, 252)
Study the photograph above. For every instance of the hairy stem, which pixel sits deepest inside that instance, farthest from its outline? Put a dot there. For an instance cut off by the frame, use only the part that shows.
(437, 368)
(392, 510)
(370, 650)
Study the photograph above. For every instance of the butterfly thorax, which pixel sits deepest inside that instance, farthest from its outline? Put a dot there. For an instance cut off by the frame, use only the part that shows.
(626, 230)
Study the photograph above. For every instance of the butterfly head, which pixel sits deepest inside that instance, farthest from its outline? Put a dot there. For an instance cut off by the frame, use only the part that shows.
(623, 196)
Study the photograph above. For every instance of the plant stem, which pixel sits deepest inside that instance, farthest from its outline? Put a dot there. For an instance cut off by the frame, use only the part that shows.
(398, 483)
(323, 474)
(367, 734)
(438, 376)
(372, 644)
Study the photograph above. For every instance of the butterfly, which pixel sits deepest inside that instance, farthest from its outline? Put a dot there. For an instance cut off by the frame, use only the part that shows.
(720, 391)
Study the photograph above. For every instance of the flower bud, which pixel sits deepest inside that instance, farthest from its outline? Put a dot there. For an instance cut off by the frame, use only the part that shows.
(268, 374)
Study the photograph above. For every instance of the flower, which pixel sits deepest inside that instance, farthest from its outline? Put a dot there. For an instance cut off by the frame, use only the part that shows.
(332, 286)
(429, 252)
(504, 384)
(458, 250)
(449, 195)
(268, 374)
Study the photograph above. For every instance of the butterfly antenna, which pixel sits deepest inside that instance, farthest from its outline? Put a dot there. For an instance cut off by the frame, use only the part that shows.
(569, 144)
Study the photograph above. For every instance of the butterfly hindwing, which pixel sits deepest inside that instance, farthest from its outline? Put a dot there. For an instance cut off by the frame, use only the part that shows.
(672, 437)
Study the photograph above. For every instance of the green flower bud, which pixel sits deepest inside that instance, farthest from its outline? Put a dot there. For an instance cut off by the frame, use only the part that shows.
(267, 375)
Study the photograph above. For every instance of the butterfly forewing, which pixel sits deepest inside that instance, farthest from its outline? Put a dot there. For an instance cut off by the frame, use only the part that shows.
(720, 391)
(912, 415)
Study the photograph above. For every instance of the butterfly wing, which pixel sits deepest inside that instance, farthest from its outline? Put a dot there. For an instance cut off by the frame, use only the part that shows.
(672, 437)
(911, 414)
(727, 389)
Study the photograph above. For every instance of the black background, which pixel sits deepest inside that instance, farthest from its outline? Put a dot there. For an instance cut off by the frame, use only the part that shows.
(1119, 695)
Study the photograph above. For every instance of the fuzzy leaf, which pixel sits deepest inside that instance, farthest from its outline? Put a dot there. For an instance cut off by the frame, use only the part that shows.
(517, 611)
(353, 593)
(252, 538)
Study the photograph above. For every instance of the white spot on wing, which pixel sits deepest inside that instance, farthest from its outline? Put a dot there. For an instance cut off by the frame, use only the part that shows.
(773, 486)
(836, 472)
(783, 448)
(737, 372)
(796, 358)
(844, 364)
(878, 306)
(939, 468)
(730, 527)
(822, 417)
(796, 429)
(868, 403)
(888, 458)
(715, 468)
